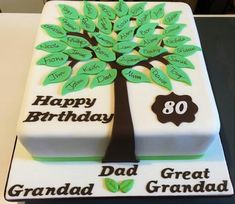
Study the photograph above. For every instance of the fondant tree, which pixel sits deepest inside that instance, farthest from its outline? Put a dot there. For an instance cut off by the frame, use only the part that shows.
(113, 41)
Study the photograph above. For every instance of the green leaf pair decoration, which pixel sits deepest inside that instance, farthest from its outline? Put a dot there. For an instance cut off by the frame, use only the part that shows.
(113, 186)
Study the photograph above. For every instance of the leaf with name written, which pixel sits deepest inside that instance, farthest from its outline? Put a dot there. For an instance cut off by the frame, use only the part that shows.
(54, 31)
(104, 40)
(137, 9)
(93, 67)
(146, 30)
(177, 74)
(176, 41)
(121, 23)
(104, 78)
(160, 78)
(126, 185)
(171, 17)
(90, 10)
(173, 30)
(53, 60)
(77, 42)
(126, 34)
(69, 11)
(108, 11)
(152, 50)
(75, 83)
(186, 50)
(104, 54)
(151, 39)
(69, 25)
(143, 18)
(179, 61)
(124, 47)
(129, 60)
(52, 46)
(121, 8)
(58, 75)
(111, 185)
(157, 11)
(79, 54)
(87, 24)
(104, 24)
(134, 76)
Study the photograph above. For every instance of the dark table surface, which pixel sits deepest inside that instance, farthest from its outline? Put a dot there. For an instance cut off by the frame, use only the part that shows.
(217, 36)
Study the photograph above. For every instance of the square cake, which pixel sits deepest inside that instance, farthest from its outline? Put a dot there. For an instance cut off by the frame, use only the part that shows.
(117, 82)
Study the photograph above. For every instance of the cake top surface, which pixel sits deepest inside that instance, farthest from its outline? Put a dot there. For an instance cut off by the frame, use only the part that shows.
(84, 48)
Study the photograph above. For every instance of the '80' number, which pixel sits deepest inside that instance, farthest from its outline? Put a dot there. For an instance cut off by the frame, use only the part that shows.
(179, 107)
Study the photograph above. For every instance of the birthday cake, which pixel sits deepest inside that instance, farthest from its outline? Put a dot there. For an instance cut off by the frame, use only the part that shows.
(117, 82)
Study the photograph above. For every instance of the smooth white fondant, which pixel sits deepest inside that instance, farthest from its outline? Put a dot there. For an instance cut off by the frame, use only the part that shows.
(34, 174)
(74, 139)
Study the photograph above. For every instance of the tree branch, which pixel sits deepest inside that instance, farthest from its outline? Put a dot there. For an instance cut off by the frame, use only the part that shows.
(73, 62)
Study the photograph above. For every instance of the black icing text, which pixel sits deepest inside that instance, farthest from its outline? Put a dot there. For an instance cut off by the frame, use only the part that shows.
(18, 190)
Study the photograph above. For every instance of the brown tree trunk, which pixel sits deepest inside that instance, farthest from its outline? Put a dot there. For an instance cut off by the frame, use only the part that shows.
(121, 147)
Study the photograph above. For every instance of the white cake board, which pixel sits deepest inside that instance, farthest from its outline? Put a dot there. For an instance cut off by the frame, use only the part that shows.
(26, 173)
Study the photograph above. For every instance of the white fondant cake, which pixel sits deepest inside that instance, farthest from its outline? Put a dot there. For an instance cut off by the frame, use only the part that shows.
(71, 112)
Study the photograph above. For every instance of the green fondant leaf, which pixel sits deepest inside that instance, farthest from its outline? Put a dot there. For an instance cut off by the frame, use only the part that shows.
(77, 42)
(121, 8)
(171, 17)
(137, 9)
(90, 10)
(177, 74)
(143, 18)
(126, 34)
(151, 39)
(59, 75)
(152, 50)
(129, 60)
(157, 11)
(54, 31)
(186, 50)
(176, 41)
(87, 24)
(104, 78)
(126, 185)
(173, 30)
(79, 54)
(108, 11)
(69, 11)
(124, 47)
(146, 29)
(104, 40)
(179, 61)
(104, 54)
(53, 60)
(93, 67)
(75, 83)
(121, 23)
(69, 25)
(160, 78)
(134, 76)
(111, 185)
(52, 46)
(104, 24)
